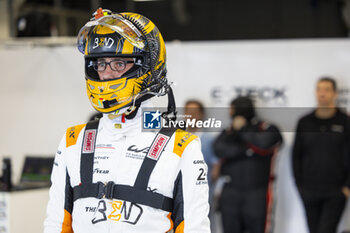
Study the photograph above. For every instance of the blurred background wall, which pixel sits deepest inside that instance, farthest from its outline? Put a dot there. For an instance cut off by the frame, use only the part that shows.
(273, 50)
(43, 93)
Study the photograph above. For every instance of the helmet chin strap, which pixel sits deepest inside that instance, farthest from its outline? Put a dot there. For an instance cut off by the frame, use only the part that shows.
(131, 112)
(170, 114)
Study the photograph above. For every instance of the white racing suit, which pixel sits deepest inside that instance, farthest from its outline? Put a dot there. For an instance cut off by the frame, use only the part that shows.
(179, 175)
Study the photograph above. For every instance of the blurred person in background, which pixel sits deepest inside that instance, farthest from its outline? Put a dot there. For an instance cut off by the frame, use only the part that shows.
(109, 175)
(320, 160)
(194, 109)
(247, 150)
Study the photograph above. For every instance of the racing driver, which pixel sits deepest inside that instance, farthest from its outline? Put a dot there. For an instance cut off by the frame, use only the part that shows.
(108, 175)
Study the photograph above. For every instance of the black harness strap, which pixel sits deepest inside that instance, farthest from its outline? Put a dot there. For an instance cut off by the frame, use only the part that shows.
(137, 194)
(152, 157)
(123, 192)
(88, 151)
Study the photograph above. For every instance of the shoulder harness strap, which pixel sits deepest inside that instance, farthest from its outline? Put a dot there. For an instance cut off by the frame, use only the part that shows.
(88, 151)
(155, 151)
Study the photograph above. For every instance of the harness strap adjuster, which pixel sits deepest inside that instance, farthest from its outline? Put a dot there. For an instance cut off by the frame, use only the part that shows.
(101, 190)
(105, 190)
(110, 190)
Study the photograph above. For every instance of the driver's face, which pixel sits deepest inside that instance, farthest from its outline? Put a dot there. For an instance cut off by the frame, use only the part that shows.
(115, 67)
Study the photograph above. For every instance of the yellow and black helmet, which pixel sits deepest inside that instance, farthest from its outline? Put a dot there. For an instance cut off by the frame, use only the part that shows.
(131, 35)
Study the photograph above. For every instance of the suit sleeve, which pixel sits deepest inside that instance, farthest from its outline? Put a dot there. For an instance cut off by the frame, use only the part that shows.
(191, 207)
(59, 209)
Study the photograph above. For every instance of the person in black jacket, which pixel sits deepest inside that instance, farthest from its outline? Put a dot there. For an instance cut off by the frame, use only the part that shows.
(320, 156)
(246, 151)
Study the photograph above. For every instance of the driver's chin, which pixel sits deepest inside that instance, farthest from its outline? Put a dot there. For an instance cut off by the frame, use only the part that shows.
(109, 77)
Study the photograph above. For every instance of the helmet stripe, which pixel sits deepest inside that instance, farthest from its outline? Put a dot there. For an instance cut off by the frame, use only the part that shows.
(149, 27)
(120, 45)
(127, 47)
(86, 48)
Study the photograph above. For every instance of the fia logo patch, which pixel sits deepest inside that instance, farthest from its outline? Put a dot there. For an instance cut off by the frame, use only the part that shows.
(151, 119)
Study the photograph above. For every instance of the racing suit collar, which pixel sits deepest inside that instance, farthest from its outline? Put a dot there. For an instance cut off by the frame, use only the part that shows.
(130, 127)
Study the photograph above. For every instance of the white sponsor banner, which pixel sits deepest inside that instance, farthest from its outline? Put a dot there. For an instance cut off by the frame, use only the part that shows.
(277, 73)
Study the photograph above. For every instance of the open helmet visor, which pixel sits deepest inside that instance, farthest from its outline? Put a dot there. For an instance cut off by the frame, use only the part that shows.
(116, 23)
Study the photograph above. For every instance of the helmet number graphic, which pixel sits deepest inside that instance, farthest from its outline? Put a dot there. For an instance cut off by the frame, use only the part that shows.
(103, 42)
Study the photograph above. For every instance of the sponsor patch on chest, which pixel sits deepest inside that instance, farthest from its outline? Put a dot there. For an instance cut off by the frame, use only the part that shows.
(157, 146)
(89, 141)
